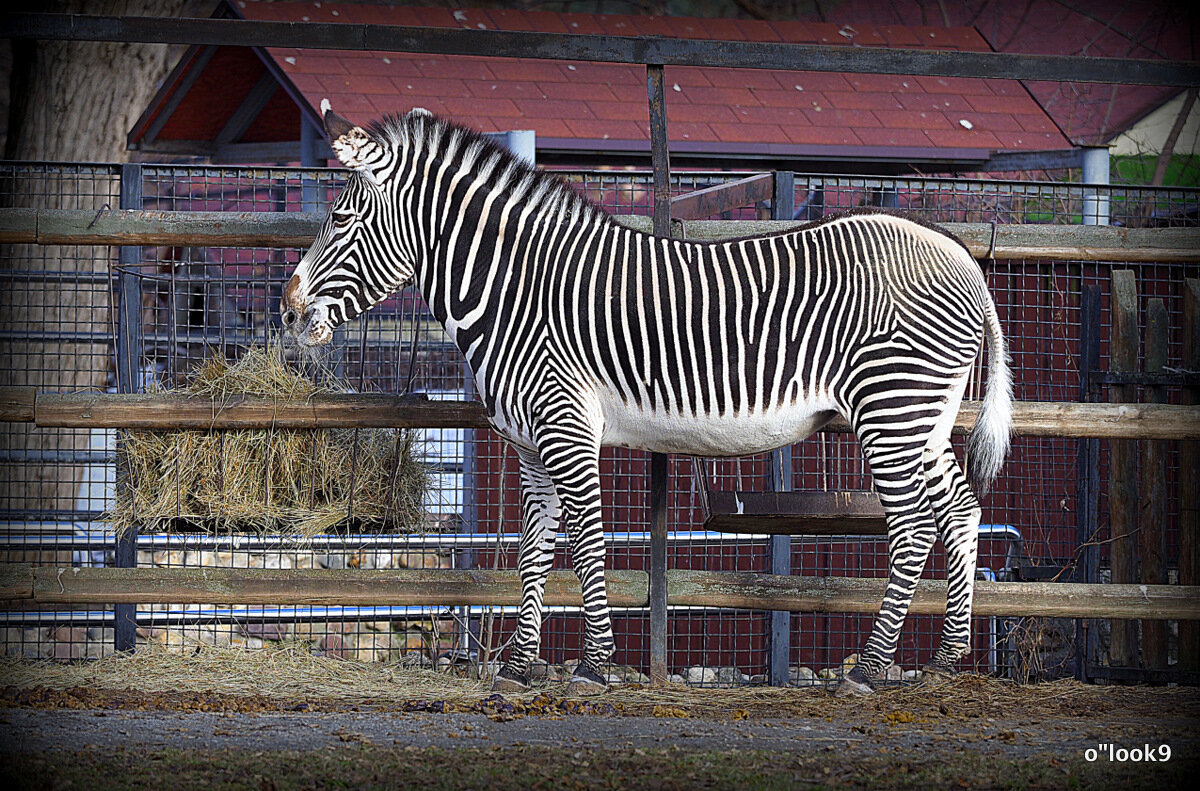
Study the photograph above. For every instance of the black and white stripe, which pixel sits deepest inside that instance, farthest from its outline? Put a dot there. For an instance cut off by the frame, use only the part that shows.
(583, 333)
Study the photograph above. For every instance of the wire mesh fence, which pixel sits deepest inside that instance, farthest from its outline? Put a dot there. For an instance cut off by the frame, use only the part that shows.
(62, 325)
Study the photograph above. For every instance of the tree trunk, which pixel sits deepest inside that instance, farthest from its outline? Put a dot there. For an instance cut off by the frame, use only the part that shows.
(69, 102)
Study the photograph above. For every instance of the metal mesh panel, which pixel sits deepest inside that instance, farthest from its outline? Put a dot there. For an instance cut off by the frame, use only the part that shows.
(195, 302)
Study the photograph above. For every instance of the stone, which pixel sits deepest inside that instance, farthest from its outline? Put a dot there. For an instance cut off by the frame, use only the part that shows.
(675, 678)
(731, 676)
(758, 679)
(68, 634)
(374, 647)
(332, 561)
(332, 645)
(893, 673)
(802, 677)
(277, 560)
(911, 675)
(266, 631)
(848, 663)
(827, 673)
(98, 649)
(67, 652)
(700, 675)
(246, 643)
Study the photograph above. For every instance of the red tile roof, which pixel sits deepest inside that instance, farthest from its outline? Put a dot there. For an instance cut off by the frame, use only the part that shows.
(575, 105)
(1089, 113)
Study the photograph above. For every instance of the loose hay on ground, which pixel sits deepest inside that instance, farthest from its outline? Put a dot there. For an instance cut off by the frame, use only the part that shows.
(280, 480)
(285, 677)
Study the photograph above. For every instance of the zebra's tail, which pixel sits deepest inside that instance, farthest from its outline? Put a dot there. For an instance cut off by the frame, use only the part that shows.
(988, 444)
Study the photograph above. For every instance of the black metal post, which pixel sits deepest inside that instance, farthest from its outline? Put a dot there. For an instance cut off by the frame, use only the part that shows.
(1088, 484)
(659, 467)
(128, 352)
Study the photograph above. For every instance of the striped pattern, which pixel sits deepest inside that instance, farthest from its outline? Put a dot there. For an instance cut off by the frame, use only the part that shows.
(583, 333)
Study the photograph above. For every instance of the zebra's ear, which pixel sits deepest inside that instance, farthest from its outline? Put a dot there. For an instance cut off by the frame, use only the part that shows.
(354, 147)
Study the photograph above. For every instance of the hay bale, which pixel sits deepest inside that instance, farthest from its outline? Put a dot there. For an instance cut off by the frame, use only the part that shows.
(305, 481)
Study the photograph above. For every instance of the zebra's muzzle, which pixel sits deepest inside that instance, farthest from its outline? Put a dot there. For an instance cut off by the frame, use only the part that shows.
(311, 328)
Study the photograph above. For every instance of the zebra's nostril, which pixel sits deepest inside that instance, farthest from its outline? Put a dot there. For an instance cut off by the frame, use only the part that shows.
(289, 317)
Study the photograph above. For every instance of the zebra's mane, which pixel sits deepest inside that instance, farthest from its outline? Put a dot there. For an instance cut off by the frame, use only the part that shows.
(508, 172)
(432, 136)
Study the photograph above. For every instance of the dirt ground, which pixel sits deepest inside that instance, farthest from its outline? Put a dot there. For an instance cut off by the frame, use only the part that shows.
(420, 731)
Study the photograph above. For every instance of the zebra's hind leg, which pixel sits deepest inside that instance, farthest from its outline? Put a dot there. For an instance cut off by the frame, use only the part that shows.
(900, 482)
(541, 511)
(957, 511)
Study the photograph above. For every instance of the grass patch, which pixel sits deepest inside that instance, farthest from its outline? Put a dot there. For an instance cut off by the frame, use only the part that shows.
(370, 766)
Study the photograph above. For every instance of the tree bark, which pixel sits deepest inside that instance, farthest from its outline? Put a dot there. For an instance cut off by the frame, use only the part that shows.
(71, 102)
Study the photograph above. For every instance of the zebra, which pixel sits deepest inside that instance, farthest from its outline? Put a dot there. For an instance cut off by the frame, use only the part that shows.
(582, 333)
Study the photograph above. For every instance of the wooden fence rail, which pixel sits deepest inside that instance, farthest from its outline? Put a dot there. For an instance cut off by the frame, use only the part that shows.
(297, 229)
(164, 412)
(453, 588)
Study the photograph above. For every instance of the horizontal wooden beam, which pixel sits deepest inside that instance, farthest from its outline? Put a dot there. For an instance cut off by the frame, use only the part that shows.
(298, 229)
(452, 587)
(166, 411)
(746, 590)
(17, 404)
(158, 411)
(638, 50)
(349, 587)
(146, 227)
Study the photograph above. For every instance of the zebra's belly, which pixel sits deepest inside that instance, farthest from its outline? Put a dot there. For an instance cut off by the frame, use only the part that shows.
(710, 435)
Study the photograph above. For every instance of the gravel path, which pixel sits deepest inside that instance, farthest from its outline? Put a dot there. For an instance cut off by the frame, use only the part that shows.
(31, 730)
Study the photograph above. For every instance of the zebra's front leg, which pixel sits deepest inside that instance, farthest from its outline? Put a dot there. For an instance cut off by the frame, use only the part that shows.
(911, 533)
(573, 462)
(540, 511)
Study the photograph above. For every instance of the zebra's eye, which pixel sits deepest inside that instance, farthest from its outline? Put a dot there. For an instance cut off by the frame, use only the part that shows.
(342, 220)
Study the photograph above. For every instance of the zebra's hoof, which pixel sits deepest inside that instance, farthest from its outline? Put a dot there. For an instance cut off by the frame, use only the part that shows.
(936, 672)
(586, 682)
(855, 684)
(510, 681)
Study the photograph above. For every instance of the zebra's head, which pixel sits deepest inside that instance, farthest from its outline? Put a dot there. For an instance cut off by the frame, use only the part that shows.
(359, 256)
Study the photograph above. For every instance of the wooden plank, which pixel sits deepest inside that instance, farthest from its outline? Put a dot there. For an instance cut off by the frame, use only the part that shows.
(723, 197)
(165, 411)
(747, 590)
(18, 226)
(298, 229)
(1189, 479)
(17, 404)
(147, 227)
(637, 50)
(148, 411)
(796, 513)
(1122, 463)
(454, 587)
(16, 582)
(350, 587)
(1152, 492)
(1015, 242)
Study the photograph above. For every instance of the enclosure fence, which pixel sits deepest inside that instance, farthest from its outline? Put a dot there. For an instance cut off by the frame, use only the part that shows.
(140, 317)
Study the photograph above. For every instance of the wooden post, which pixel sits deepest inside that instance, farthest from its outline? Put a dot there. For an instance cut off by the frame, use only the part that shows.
(659, 468)
(1153, 490)
(1122, 464)
(1189, 480)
